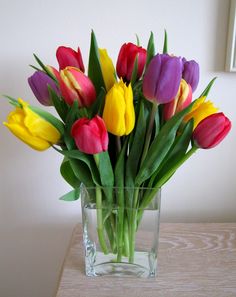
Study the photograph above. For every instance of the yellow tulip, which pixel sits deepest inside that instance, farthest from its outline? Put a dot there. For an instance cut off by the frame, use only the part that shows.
(108, 70)
(201, 109)
(118, 114)
(31, 128)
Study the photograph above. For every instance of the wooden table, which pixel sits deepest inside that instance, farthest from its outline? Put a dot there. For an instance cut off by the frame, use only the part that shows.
(194, 260)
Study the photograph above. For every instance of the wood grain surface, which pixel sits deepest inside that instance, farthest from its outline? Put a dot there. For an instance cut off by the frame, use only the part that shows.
(194, 260)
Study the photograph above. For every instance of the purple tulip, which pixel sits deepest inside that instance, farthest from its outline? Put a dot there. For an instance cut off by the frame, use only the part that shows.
(162, 78)
(191, 73)
(39, 83)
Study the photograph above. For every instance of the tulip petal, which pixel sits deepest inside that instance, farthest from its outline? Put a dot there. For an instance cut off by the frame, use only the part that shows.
(90, 135)
(66, 56)
(211, 131)
(39, 83)
(114, 111)
(191, 73)
(108, 70)
(168, 85)
(151, 78)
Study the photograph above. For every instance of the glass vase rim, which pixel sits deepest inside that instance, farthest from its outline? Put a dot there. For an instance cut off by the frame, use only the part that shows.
(119, 187)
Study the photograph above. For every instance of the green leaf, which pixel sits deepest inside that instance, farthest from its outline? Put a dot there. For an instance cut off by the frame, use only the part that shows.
(71, 196)
(83, 158)
(106, 174)
(71, 117)
(13, 101)
(60, 105)
(160, 146)
(176, 152)
(105, 169)
(98, 105)
(82, 172)
(68, 173)
(36, 68)
(44, 67)
(134, 71)
(120, 166)
(137, 40)
(49, 118)
(165, 46)
(94, 67)
(157, 122)
(208, 88)
(150, 49)
(137, 147)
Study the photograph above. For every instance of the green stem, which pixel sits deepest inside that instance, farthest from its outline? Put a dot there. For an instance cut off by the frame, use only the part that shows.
(126, 238)
(100, 226)
(118, 144)
(133, 225)
(149, 131)
(120, 224)
(100, 229)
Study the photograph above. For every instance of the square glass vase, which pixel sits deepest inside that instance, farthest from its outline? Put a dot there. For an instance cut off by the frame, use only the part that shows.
(120, 231)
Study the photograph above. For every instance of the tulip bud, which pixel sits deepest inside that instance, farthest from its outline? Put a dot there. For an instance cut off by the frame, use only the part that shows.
(75, 85)
(39, 83)
(118, 113)
(108, 70)
(162, 78)
(126, 60)
(181, 100)
(191, 73)
(200, 110)
(211, 131)
(31, 128)
(90, 136)
(66, 56)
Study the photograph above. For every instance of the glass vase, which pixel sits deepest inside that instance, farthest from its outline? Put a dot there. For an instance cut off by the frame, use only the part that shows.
(120, 231)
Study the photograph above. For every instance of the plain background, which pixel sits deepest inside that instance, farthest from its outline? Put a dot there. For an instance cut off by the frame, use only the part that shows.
(35, 226)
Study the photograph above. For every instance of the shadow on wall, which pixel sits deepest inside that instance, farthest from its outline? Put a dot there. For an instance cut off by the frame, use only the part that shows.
(221, 32)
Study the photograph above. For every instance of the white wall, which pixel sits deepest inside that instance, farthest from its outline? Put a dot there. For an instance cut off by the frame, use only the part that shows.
(34, 225)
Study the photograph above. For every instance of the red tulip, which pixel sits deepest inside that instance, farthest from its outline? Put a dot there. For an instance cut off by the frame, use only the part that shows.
(126, 60)
(181, 100)
(90, 136)
(66, 56)
(211, 131)
(75, 85)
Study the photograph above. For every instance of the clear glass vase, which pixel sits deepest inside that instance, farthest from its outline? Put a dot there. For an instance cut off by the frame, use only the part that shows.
(121, 231)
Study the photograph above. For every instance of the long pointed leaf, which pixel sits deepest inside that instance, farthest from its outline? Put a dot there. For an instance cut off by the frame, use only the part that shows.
(160, 146)
(105, 170)
(71, 196)
(135, 71)
(94, 67)
(177, 151)
(165, 47)
(150, 49)
(44, 67)
(120, 166)
(208, 88)
(98, 105)
(136, 148)
(49, 117)
(60, 105)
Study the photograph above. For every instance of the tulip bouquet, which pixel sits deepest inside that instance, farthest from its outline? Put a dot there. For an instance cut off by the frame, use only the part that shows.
(132, 126)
